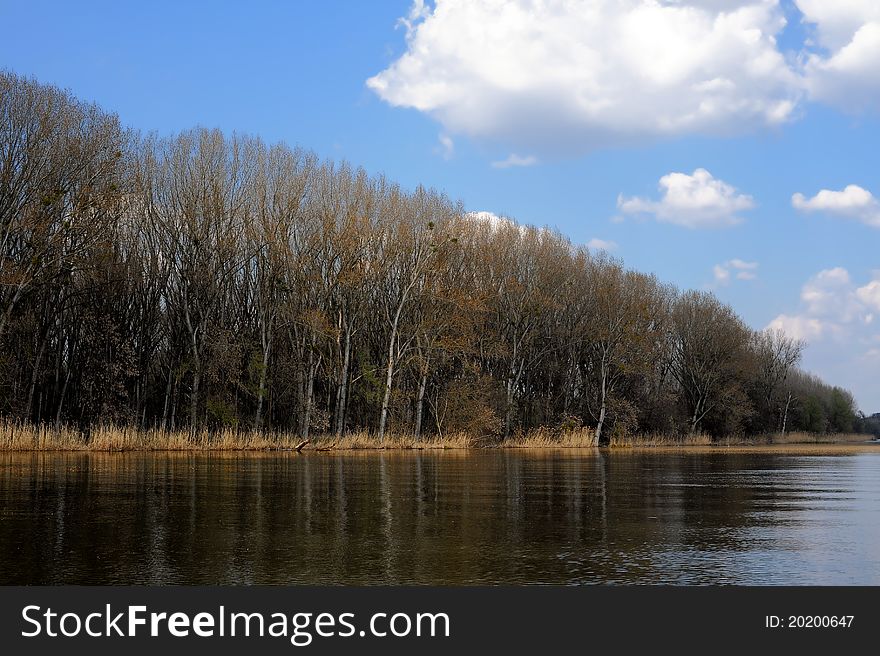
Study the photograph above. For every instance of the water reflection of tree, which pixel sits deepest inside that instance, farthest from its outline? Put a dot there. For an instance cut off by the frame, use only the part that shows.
(422, 517)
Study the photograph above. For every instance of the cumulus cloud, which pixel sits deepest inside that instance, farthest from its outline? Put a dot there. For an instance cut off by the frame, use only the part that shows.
(693, 201)
(832, 304)
(842, 68)
(515, 160)
(836, 316)
(597, 244)
(552, 75)
(830, 293)
(735, 268)
(853, 202)
(798, 327)
(869, 295)
(836, 22)
(563, 76)
(419, 10)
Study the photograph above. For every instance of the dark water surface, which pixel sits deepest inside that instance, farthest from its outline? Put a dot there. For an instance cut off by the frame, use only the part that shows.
(787, 516)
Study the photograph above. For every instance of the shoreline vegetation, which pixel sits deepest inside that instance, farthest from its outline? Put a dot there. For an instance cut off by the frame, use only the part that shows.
(17, 437)
(231, 294)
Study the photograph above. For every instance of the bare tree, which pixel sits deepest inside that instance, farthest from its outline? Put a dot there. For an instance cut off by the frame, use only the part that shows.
(709, 349)
(776, 354)
(205, 280)
(59, 184)
(198, 208)
(622, 325)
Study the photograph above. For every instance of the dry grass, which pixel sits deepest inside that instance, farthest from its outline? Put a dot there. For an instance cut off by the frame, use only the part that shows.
(577, 438)
(26, 437)
(772, 439)
(363, 441)
(813, 438)
(659, 439)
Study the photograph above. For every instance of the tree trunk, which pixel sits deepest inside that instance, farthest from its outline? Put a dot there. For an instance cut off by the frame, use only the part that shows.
(420, 400)
(267, 345)
(300, 397)
(175, 398)
(167, 406)
(7, 313)
(695, 419)
(600, 424)
(512, 383)
(61, 400)
(386, 399)
(35, 374)
(508, 408)
(305, 417)
(311, 373)
(307, 414)
(197, 369)
(342, 391)
(785, 413)
(194, 396)
(602, 406)
(389, 373)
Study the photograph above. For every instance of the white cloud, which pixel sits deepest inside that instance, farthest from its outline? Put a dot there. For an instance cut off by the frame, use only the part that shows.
(515, 160)
(798, 327)
(853, 202)
(447, 146)
(597, 244)
(692, 201)
(869, 295)
(721, 273)
(418, 11)
(837, 318)
(556, 75)
(489, 217)
(832, 305)
(830, 293)
(744, 270)
(842, 69)
(837, 21)
(495, 221)
(569, 76)
(740, 269)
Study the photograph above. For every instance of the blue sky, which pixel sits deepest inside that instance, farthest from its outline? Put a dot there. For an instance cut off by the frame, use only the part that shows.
(571, 118)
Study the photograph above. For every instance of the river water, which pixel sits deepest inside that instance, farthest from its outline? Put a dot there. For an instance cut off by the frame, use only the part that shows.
(709, 516)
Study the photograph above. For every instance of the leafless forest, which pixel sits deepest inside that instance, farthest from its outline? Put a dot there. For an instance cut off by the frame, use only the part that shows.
(205, 281)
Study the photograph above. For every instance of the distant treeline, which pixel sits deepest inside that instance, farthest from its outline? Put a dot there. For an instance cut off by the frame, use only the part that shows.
(212, 281)
(870, 425)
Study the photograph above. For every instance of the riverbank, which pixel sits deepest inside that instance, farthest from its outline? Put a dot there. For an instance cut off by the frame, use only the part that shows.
(25, 437)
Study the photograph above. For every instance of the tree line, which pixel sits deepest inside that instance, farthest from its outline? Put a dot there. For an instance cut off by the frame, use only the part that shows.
(205, 280)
